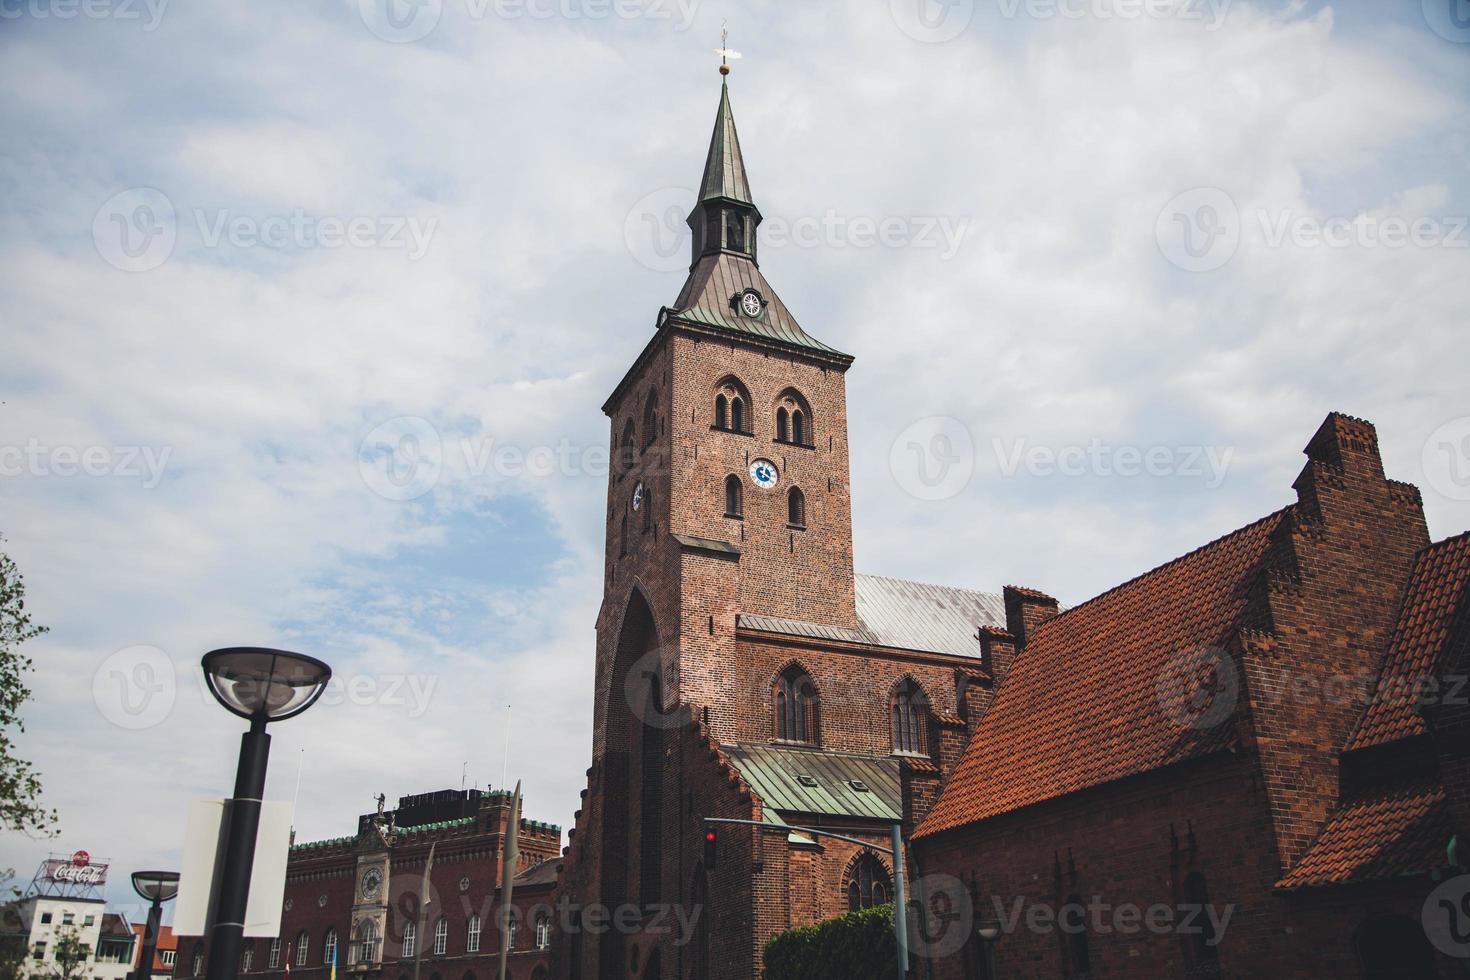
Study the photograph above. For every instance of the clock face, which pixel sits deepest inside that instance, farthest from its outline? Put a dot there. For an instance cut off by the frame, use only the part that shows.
(750, 304)
(638, 492)
(372, 883)
(763, 472)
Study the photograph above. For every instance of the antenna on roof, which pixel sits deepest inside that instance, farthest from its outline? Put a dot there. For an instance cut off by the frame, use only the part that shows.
(724, 50)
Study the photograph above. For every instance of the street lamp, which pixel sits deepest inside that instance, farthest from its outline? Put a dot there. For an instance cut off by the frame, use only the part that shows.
(989, 931)
(260, 685)
(154, 887)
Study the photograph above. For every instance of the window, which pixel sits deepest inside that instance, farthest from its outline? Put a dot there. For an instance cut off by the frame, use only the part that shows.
(627, 452)
(722, 412)
(45, 918)
(303, 946)
(89, 920)
(247, 958)
(441, 936)
(733, 493)
(796, 508)
(798, 428)
(793, 418)
(623, 537)
(867, 883)
(783, 432)
(650, 418)
(38, 952)
(910, 718)
(732, 402)
(510, 938)
(273, 955)
(367, 941)
(647, 507)
(734, 231)
(329, 947)
(543, 930)
(68, 918)
(408, 938)
(796, 706)
(472, 935)
(737, 414)
(167, 956)
(198, 970)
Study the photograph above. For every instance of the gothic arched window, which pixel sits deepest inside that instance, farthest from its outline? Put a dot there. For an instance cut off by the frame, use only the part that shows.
(303, 946)
(543, 930)
(782, 432)
(793, 418)
(798, 428)
(273, 958)
(867, 882)
(910, 718)
(737, 414)
(472, 935)
(733, 494)
(796, 707)
(367, 941)
(627, 452)
(441, 936)
(722, 412)
(650, 418)
(796, 507)
(329, 947)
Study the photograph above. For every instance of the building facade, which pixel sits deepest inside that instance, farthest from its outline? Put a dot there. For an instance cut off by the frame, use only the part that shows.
(360, 900)
(63, 926)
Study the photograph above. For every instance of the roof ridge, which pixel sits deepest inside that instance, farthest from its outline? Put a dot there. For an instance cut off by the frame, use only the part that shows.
(1274, 515)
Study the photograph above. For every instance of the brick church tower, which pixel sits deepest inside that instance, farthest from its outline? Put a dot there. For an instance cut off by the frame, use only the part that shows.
(742, 669)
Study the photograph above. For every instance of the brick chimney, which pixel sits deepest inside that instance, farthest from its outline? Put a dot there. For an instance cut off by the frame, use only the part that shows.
(997, 651)
(1026, 609)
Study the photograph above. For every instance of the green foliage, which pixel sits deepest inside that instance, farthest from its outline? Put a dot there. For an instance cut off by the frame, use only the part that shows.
(70, 954)
(14, 953)
(20, 784)
(855, 946)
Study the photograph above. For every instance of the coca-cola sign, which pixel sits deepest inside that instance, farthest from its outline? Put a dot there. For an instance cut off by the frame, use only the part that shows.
(72, 873)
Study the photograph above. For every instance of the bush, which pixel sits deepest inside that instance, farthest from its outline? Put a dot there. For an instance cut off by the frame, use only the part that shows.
(855, 946)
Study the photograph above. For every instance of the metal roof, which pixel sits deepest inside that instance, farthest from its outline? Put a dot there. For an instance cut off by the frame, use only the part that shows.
(716, 279)
(724, 168)
(773, 772)
(907, 615)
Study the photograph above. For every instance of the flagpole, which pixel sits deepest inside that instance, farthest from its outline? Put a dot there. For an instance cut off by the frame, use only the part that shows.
(418, 949)
(511, 856)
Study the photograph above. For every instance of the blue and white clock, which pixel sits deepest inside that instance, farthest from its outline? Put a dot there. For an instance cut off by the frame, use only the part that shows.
(764, 473)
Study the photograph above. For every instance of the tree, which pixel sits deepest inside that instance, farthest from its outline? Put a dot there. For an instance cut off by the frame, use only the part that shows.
(70, 954)
(20, 784)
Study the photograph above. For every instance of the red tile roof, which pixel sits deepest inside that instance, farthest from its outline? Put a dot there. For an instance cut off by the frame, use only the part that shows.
(1436, 585)
(1088, 701)
(1395, 832)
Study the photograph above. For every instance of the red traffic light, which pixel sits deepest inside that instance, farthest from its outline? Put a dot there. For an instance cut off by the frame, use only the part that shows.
(709, 835)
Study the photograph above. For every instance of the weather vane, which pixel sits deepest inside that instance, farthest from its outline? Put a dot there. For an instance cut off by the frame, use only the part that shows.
(724, 50)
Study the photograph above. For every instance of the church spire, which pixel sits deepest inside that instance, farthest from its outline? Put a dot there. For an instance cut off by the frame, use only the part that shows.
(725, 217)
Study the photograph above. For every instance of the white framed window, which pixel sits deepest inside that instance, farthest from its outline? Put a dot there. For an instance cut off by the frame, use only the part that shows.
(247, 958)
(198, 963)
(367, 941)
(472, 935)
(329, 947)
(543, 931)
(441, 936)
(68, 918)
(409, 935)
(38, 952)
(273, 960)
(89, 920)
(167, 956)
(303, 946)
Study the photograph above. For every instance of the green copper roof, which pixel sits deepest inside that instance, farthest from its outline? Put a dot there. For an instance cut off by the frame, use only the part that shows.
(797, 780)
(710, 296)
(724, 169)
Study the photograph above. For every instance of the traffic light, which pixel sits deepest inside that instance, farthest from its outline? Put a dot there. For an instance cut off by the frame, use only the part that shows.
(711, 848)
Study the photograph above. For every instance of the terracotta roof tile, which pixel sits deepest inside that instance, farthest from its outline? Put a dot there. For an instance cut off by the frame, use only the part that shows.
(1436, 587)
(1395, 832)
(1082, 704)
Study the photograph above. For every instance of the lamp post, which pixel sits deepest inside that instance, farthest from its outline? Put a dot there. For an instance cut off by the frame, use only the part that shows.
(154, 887)
(260, 685)
(989, 931)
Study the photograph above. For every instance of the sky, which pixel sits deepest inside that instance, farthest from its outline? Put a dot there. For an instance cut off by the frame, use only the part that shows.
(307, 312)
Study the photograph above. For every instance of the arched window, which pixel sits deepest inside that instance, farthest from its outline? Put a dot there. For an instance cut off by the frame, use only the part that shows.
(1202, 943)
(796, 507)
(867, 882)
(793, 418)
(623, 537)
(410, 933)
(733, 492)
(796, 706)
(303, 946)
(472, 935)
(798, 428)
(1073, 922)
(782, 432)
(646, 506)
(441, 936)
(543, 930)
(737, 414)
(722, 412)
(329, 947)
(273, 958)
(910, 718)
(627, 452)
(247, 958)
(1394, 948)
(650, 418)
(367, 941)
(732, 403)
(198, 970)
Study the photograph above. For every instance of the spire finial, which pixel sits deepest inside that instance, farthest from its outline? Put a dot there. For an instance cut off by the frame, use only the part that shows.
(724, 50)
